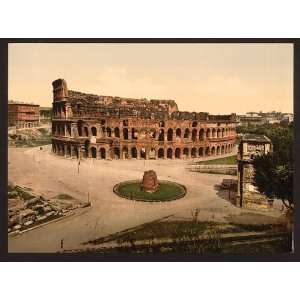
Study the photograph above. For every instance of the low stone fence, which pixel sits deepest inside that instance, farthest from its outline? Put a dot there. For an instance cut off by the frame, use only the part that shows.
(214, 169)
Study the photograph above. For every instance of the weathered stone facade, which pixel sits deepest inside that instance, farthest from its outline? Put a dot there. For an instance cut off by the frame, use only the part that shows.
(23, 115)
(251, 146)
(150, 183)
(105, 127)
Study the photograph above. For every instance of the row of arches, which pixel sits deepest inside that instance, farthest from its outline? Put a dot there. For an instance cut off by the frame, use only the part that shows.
(100, 152)
(126, 133)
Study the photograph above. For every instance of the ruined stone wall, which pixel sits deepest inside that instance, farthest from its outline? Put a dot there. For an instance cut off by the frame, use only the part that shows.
(86, 125)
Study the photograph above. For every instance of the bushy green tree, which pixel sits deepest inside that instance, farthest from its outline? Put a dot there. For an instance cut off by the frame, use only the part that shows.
(274, 171)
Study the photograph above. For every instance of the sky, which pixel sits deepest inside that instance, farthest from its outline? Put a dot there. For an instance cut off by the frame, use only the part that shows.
(214, 78)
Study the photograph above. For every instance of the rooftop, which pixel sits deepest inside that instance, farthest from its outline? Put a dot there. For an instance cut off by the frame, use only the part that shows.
(249, 137)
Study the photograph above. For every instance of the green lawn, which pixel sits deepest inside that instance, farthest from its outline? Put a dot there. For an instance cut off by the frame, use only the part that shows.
(230, 160)
(167, 191)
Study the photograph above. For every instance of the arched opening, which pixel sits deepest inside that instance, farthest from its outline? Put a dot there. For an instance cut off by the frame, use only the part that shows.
(208, 133)
(102, 153)
(62, 150)
(108, 132)
(116, 153)
(201, 134)
(194, 135)
(186, 133)
(161, 153)
(117, 132)
(94, 131)
(161, 135)
(152, 153)
(86, 131)
(194, 124)
(207, 151)
(194, 152)
(223, 132)
(133, 152)
(170, 134)
(125, 133)
(177, 153)
(69, 130)
(222, 150)
(68, 151)
(152, 133)
(161, 124)
(214, 132)
(125, 152)
(201, 152)
(219, 133)
(134, 134)
(142, 134)
(143, 153)
(94, 152)
(218, 150)
(125, 122)
(76, 152)
(213, 150)
(169, 153)
(186, 152)
(86, 149)
(178, 132)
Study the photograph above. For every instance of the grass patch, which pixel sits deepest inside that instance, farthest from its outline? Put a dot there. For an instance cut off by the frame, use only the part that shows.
(167, 191)
(230, 160)
(175, 229)
(32, 143)
(64, 197)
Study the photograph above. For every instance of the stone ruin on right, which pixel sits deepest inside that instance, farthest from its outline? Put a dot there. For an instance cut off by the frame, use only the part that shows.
(250, 146)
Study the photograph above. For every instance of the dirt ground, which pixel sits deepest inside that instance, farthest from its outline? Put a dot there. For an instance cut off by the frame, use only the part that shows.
(49, 175)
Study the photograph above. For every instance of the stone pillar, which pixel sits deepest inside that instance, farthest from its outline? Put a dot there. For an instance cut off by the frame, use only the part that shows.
(129, 133)
(189, 153)
(165, 135)
(65, 148)
(110, 153)
(147, 152)
(129, 152)
(138, 153)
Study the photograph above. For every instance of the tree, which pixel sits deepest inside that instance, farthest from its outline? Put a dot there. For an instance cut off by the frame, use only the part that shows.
(274, 171)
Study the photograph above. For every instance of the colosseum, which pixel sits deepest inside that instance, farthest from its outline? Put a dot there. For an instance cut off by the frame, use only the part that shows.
(107, 127)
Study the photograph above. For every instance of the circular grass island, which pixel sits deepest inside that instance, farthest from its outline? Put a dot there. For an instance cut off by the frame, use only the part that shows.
(167, 191)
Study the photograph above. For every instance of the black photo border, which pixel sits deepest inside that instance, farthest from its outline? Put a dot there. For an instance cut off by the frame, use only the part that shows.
(81, 257)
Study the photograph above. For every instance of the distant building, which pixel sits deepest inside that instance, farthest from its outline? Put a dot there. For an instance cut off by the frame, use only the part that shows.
(45, 115)
(287, 118)
(250, 146)
(248, 120)
(23, 115)
(260, 118)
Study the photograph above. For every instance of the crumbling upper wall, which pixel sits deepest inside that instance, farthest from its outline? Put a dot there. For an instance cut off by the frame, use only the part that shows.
(60, 89)
(91, 105)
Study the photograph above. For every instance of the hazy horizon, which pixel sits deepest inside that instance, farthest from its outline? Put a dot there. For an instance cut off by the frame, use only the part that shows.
(214, 78)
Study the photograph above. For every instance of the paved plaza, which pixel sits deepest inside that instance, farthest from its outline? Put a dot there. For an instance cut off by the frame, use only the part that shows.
(48, 174)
